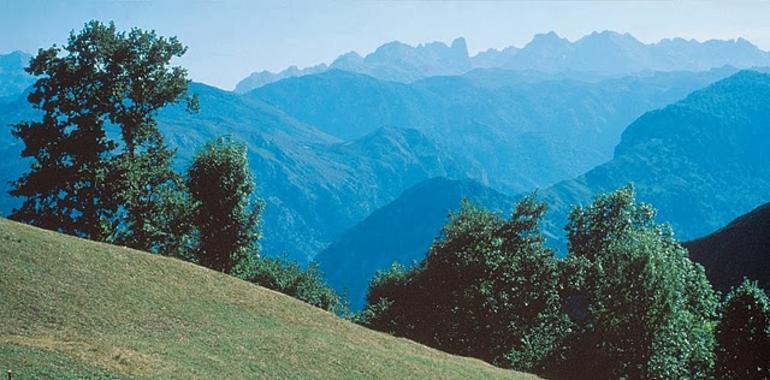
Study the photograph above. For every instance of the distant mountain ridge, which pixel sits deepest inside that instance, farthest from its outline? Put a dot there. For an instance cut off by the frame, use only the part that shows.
(605, 53)
(259, 79)
(330, 148)
(701, 162)
(518, 133)
(13, 78)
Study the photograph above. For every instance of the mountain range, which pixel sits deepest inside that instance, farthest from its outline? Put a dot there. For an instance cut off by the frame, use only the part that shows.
(512, 132)
(701, 162)
(13, 78)
(604, 54)
(328, 149)
(322, 169)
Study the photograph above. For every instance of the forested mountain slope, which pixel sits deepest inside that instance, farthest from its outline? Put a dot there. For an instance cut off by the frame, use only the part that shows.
(701, 161)
(737, 250)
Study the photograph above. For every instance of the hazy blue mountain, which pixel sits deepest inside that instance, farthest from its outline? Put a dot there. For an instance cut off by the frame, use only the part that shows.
(401, 231)
(393, 61)
(11, 166)
(701, 161)
(740, 249)
(259, 79)
(597, 55)
(694, 55)
(397, 61)
(493, 58)
(13, 78)
(522, 129)
(611, 53)
(315, 185)
(318, 182)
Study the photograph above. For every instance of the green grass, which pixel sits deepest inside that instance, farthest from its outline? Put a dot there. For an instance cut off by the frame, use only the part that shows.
(72, 308)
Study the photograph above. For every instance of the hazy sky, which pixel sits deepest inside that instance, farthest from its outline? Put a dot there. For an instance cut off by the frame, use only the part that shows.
(229, 39)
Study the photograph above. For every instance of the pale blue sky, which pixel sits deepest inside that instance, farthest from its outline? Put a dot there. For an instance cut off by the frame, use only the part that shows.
(230, 39)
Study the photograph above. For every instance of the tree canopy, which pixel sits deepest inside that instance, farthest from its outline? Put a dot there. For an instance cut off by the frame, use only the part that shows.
(487, 288)
(646, 311)
(743, 334)
(221, 185)
(99, 162)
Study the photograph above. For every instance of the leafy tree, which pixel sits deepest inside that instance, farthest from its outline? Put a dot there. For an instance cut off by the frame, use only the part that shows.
(304, 284)
(647, 310)
(154, 205)
(82, 181)
(743, 334)
(220, 182)
(488, 288)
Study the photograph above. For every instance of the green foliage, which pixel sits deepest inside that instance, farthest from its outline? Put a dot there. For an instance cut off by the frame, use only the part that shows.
(743, 334)
(645, 311)
(488, 288)
(81, 181)
(289, 278)
(155, 212)
(228, 226)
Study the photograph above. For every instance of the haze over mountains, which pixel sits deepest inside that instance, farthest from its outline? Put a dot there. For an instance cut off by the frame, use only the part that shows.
(328, 149)
(701, 162)
(13, 78)
(605, 54)
(347, 156)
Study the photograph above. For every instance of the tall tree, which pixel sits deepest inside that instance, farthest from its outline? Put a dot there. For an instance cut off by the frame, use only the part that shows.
(81, 175)
(488, 288)
(743, 334)
(647, 311)
(221, 184)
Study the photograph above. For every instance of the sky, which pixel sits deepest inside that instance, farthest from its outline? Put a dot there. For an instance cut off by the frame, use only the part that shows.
(228, 39)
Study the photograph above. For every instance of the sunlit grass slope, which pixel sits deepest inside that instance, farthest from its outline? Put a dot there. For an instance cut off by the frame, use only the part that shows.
(72, 308)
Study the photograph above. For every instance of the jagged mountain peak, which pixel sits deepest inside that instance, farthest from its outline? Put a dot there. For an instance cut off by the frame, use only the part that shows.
(600, 53)
(547, 38)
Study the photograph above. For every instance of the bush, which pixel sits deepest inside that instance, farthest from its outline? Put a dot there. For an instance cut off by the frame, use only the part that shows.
(227, 225)
(487, 289)
(743, 334)
(304, 284)
(645, 311)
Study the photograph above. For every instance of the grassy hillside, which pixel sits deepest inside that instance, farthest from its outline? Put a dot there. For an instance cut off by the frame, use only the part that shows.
(72, 308)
